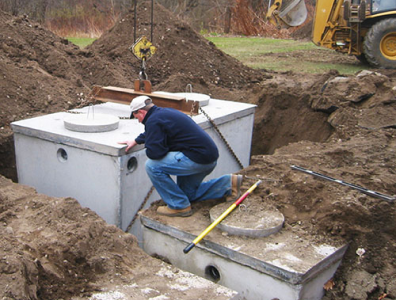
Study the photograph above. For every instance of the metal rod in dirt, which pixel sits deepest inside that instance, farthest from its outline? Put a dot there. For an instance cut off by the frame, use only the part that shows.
(221, 218)
(354, 186)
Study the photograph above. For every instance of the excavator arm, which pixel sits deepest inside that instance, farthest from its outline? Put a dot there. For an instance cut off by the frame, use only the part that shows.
(287, 13)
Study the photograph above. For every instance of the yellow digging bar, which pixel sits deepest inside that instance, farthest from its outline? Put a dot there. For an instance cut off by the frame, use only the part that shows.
(221, 218)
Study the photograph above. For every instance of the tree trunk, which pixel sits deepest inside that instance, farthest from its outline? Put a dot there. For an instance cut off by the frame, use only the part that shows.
(39, 11)
(227, 22)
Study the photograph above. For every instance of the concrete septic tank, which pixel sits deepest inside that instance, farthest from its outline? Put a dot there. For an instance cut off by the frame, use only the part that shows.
(284, 265)
(95, 170)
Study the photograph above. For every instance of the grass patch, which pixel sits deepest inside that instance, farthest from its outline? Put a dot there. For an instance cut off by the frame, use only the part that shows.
(241, 47)
(286, 55)
(81, 42)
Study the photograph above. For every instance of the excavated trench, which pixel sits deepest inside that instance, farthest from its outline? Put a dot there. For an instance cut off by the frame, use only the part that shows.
(287, 118)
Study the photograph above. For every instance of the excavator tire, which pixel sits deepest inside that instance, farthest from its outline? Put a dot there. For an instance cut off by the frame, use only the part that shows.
(380, 44)
(362, 58)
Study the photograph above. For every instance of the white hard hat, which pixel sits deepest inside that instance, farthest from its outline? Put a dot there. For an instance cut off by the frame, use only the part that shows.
(139, 102)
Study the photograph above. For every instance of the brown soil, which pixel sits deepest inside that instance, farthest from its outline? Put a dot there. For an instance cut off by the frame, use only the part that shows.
(342, 126)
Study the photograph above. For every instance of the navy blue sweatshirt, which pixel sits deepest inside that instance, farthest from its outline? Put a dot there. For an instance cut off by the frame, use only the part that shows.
(167, 129)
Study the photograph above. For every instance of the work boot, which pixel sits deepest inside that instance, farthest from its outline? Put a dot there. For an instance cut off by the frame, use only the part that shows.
(166, 211)
(236, 183)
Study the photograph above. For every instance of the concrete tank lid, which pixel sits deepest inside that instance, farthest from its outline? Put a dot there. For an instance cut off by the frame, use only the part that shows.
(248, 221)
(86, 122)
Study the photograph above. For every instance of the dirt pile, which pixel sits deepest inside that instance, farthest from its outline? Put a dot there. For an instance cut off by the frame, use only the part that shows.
(342, 126)
(57, 75)
(354, 118)
(51, 248)
(315, 108)
(180, 52)
(35, 77)
(38, 260)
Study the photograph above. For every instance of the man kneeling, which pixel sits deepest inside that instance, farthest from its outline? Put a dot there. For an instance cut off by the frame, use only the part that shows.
(176, 145)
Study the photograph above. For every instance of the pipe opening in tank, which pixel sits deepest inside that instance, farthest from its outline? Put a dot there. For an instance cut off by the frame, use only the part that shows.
(62, 155)
(132, 164)
(212, 273)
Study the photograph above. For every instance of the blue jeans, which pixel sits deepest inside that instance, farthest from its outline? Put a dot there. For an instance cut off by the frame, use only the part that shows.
(189, 186)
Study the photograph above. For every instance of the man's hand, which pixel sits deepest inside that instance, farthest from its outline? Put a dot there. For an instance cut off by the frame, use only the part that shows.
(129, 144)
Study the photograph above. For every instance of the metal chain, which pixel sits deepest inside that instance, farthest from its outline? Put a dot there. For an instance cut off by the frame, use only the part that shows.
(140, 208)
(189, 89)
(222, 137)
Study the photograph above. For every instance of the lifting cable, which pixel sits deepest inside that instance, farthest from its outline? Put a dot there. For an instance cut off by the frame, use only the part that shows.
(135, 21)
(143, 48)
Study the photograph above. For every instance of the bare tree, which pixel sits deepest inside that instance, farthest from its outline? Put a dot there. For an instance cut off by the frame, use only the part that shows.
(39, 10)
(11, 6)
(36, 9)
(228, 16)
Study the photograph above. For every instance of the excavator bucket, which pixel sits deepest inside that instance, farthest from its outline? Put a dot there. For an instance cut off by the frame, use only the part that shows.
(287, 13)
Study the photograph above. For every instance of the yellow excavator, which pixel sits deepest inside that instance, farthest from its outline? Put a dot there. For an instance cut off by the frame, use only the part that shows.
(364, 28)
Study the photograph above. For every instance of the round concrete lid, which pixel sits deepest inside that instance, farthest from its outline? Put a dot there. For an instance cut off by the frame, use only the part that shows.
(91, 122)
(248, 220)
